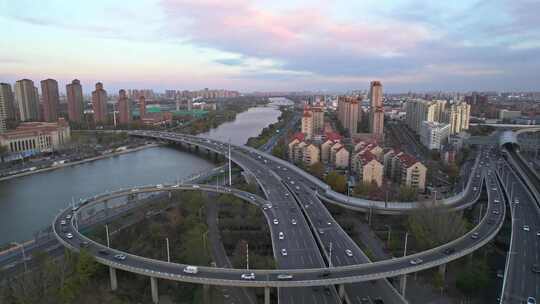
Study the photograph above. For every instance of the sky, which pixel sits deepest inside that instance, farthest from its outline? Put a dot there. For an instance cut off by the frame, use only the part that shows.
(274, 45)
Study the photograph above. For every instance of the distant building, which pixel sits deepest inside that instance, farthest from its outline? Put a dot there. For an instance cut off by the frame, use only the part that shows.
(376, 123)
(318, 119)
(408, 171)
(307, 124)
(142, 107)
(433, 134)
(349, 113)
(51, 99)
(75, 101)
(27, 100)
(99, 104)
(293, 150)
(124, 108)
(458, 115)
(506, 115)
(419, 110)
(32, 138)
(7, 100)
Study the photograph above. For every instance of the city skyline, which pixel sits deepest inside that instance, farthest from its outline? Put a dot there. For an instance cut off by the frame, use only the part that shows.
(277, 46)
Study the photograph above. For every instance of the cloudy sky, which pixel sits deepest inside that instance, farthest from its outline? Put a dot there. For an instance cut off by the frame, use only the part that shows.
(274, 44)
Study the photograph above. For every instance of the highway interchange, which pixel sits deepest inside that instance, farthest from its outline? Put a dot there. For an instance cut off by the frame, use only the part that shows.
(304, 260)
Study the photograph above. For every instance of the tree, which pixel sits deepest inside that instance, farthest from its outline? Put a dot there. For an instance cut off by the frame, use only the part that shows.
(317, 169)
(407, 194)
(337, 181)
(453, 173)
(473, 279)
(432, 228)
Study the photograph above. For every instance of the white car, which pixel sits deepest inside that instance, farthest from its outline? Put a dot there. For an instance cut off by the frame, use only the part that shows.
(159, 186)
(120, 257)
(195, 186)
(62, 222)
(293, 221)
(68, 216)
(276, 221)
(284, 252)
(69, 236)
(248, 276)
(526, 228)
(281, 235)
(538, 233)
(348, 252)
(416, 261)
(191, 269)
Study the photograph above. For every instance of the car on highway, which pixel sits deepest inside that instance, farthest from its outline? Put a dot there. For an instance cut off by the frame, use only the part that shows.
(69, 235)
(348, 252)
(495, 211)
(134, 189)
(526, 228)
(531, 300)
(276, 221)
(293, 221)
(284, 252)
(535, 268)
(195, 186)
(284, 277)
(120, 256)
(248, 276)
(84, 244)
(191, 269)
(281, 235)
(538, 233)
(103, 252)
(159, 186)
(416, 261)
(321, 231)
(68, 216)
(62, 222)
(474, 236)
(449, 250)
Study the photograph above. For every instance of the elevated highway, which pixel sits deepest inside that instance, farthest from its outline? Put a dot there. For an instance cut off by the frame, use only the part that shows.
(305, 271)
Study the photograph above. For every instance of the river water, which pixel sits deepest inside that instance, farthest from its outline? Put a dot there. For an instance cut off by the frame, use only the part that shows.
(28, 204)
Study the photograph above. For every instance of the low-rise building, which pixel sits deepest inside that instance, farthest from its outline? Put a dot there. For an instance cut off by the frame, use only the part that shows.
(412, 172)
(341, 157)
(369, 169)
(311, 155)
(333, 151)
(31, 138)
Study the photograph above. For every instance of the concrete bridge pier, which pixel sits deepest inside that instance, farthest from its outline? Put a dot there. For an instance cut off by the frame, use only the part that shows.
(114, 282)
(341, 292)
(403, 285)
(267, 295)
(154, 287)
(206, 294)
(442, 271)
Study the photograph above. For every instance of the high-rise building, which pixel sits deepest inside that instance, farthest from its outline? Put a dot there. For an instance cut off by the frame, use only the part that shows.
(27, 100)
(124, 108)
(307, 123)
(348, 113)
(420, 110)
(457, 115)
(99, 104)
(51, 99)
(142, 107)
(376, 126)
(75, 101)
(434, 134)
(318, 118)
(6, 96)
(3, 114)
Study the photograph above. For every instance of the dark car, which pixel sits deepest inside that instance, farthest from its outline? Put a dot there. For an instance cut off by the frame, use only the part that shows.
(449, 250)
(103, 252)
(378, 301)
(324, 274)
(535, 268)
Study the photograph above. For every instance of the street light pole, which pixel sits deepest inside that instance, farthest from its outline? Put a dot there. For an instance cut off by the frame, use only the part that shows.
(230, 172)
(389, 234)
(247, 256)
(404, 278)
(168, 252)
(107, 233)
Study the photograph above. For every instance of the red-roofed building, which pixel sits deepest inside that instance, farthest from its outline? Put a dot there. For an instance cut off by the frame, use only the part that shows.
(409, 171)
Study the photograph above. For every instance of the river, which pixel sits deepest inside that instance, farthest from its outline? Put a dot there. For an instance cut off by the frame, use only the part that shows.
(29, 203)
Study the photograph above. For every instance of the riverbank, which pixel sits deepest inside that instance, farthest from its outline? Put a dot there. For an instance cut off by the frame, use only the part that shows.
(69, 164)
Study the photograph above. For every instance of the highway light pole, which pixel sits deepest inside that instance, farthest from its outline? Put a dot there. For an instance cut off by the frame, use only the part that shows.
(404, 278)
(168, 252)
(107, 233)
(247, 256)
(230, 172)
(389, 234)
(23, 255)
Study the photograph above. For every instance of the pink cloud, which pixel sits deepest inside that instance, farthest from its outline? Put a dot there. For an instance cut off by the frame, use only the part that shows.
(241, 26)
